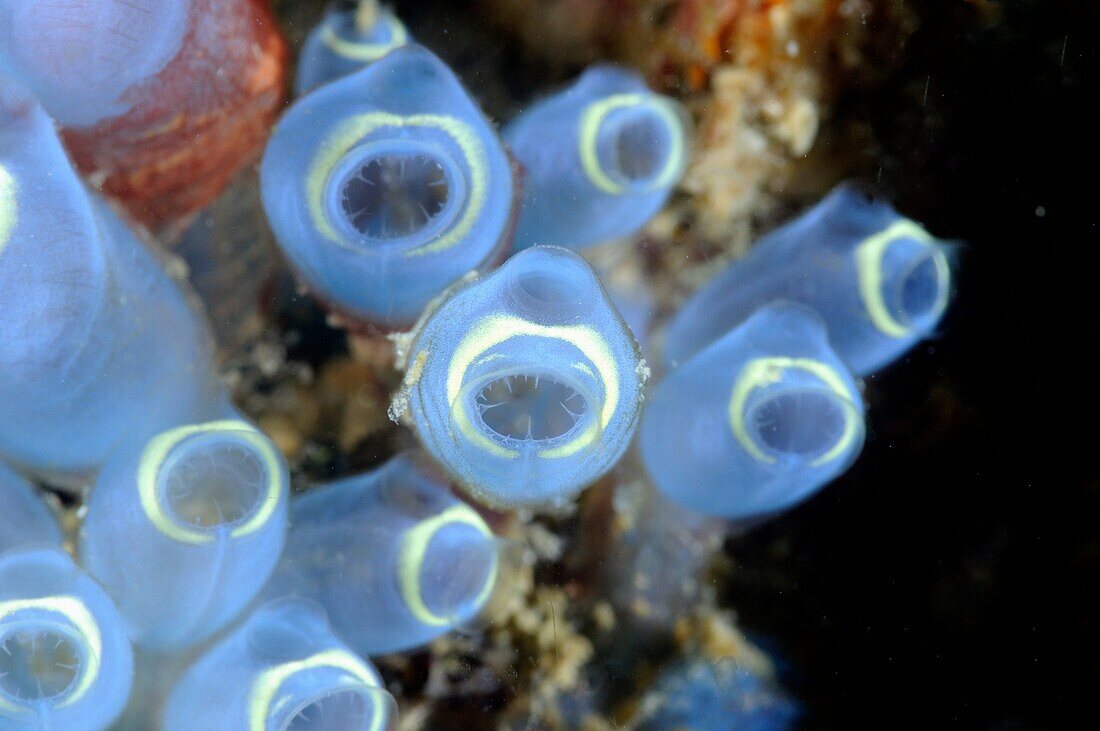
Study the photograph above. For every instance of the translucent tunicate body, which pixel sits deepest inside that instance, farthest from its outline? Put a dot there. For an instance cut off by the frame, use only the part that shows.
(24, 515)
(183, 530)
(81, 57)
(880, 282)
(395, 559)
(97, 343)
(756, 421)
(350, 36)
(386, 186)
(599, 159)
(282, 670)
(715, 696)
(526, 384)
(65, 662)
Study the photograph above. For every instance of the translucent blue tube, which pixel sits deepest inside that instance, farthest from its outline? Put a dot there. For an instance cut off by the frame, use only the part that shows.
(386, 186)
(395, 559)
(183, 530)
(98, 344)
(65, 660)
(600, 159)
(282, 670)
(721, 696)
(879, 280)
(350, 36)
(24, 515)
(755, 422)
(81, 56)
(526, 384)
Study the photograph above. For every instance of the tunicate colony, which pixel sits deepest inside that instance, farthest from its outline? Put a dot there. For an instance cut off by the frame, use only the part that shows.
(397, 202)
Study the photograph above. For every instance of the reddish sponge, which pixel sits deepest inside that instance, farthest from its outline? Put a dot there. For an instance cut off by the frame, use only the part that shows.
(194, 125)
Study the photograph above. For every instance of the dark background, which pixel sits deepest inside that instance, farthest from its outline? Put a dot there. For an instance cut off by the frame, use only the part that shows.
(949, 577)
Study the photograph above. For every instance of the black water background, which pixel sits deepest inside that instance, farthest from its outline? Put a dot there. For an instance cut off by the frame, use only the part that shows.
(951, 577)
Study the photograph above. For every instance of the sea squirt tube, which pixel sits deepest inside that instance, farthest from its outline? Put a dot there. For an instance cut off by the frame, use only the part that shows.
(392, 555)
(98, 345)
(526, 384)
(185, 528)
(65, 661)
(283, 669)
(755, 422)
(386, 186)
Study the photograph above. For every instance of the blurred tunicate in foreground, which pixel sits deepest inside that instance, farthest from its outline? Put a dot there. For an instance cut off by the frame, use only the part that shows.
(65, 662)
(350, 36)
(97, 344)
(81, 57)
(24, 515)
(162, 102)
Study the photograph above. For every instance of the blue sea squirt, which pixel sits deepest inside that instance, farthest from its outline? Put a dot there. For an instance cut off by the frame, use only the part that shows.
(184, 529)
(599, 159)
(525, 384)
(879, 280)
(755, 422)
(349, 36)
(386, 186)
(282, 670)
(97, 343)
(395, 559)
(24, 515)
(81, 57)
(65, 662)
